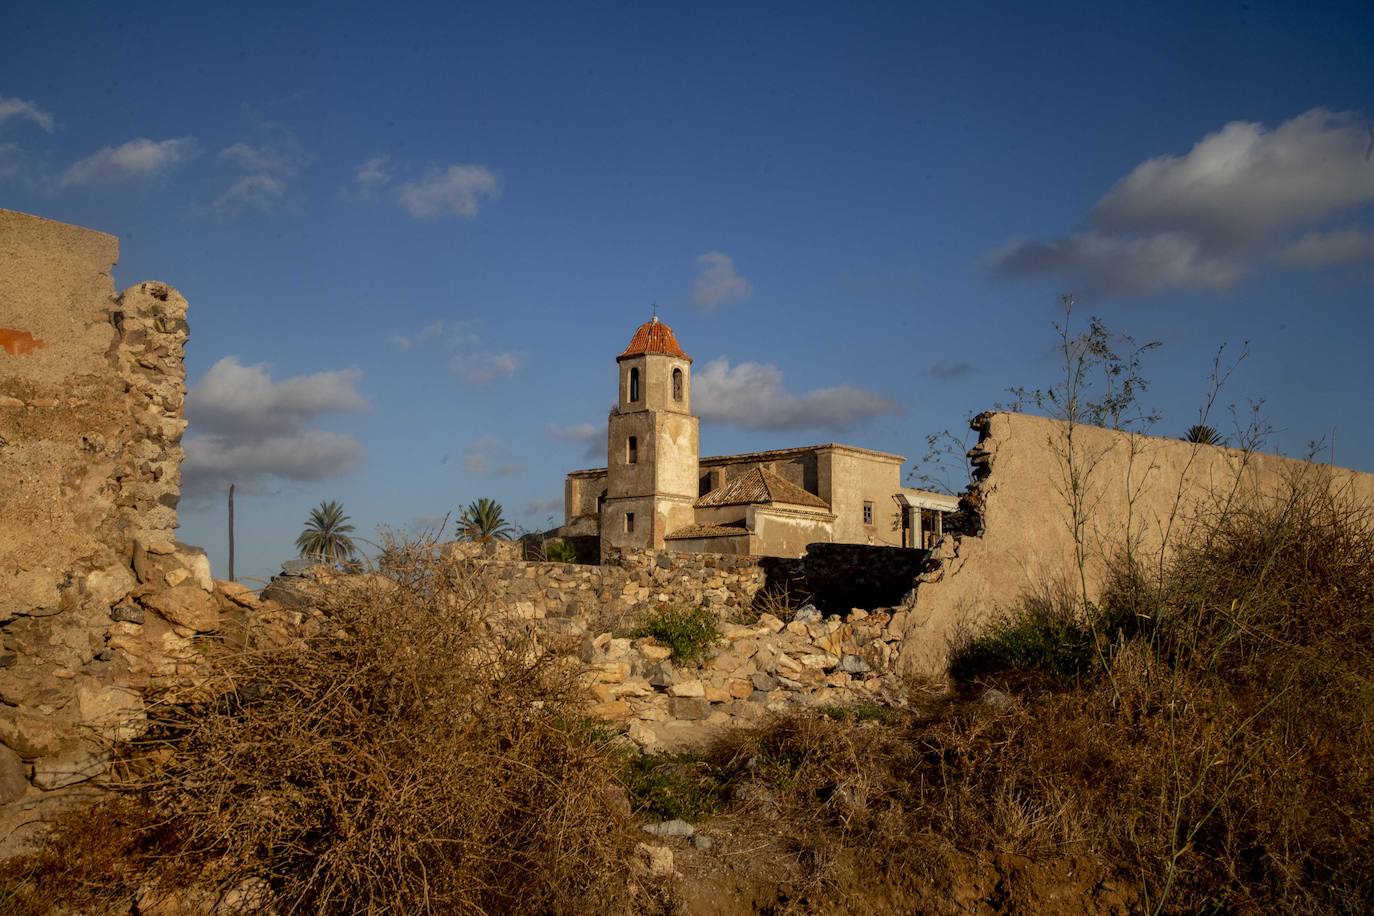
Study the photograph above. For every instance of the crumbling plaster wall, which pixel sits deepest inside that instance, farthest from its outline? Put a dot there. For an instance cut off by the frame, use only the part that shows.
(99, 606)
(1139, 490)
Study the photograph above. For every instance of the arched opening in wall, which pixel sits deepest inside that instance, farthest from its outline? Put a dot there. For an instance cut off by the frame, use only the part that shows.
(632, 450)
(634, 386)
(677, 384)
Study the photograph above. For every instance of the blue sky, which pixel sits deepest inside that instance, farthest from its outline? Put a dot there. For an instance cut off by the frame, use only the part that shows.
(414, 237)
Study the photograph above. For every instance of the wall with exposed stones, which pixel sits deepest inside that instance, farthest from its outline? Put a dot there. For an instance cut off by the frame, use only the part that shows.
(764, 665)
(770, 666)
(627, 585)
(100, 607)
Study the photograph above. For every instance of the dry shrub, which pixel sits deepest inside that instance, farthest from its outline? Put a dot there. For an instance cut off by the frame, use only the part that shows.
(1266, 626)
(872, 809)
(418, 757)
(782, 600)
(94, 861)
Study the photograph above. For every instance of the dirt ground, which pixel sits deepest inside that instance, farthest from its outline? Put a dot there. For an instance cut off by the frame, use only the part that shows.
(746, 872)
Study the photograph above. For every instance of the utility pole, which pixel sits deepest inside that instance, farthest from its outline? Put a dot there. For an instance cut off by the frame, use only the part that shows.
(231, 533)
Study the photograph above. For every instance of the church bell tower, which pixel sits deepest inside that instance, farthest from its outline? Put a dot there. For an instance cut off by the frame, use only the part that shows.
(651, 443)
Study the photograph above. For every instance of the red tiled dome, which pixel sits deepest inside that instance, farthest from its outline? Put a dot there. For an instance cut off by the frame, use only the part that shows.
(654, 336)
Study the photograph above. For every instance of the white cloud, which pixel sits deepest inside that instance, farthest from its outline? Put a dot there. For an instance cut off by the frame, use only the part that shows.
(454, 191)
(589, 436)
(484, 368)
(427, 333)
(258, 192)
(279, 158)
(489, 456)
(269, 165)
(950, 369)
(1100, 264)
(467, 358)
(432, 524)
(244, 400)
(752, 395)
(214, 462)
(545, 506)
(246, 427)
(717, 283)
(1322, 249)
(1204, 219)
(18, 108)
(139, 158)
(1244, 182)
(373, 174)
(11, 161)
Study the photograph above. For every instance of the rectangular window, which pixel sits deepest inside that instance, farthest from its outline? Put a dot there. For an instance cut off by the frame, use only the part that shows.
(632, 450)
(629, 522)
(868, 513)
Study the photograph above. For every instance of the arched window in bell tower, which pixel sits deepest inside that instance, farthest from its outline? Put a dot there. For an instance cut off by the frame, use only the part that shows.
(634, 386)
(677, 384)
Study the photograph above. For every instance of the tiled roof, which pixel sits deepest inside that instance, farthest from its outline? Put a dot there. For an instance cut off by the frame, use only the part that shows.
(780, 453)
(654, 336)
(706, 531)
(759, 486)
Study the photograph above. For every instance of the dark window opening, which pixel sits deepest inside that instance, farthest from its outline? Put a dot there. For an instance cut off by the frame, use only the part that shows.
(677, 384)
(868, 513)
(632, 450)
(634, 385)
(629, 522)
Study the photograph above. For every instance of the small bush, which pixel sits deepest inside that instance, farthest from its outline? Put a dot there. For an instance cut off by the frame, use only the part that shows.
(690, 634)
(666, 786)
(557, 550)
(1049, 635)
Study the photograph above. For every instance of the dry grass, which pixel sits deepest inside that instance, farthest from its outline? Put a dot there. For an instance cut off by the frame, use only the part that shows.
(419, 757)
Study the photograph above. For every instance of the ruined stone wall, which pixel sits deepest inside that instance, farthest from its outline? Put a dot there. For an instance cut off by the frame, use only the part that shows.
(99, 605)
(836, 578)
(770, 666)
(760, 664)
(1140, 491)
(627, 585)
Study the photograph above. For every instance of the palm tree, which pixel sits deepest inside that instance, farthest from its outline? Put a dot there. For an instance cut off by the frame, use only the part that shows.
(1203, 434)
(482, 521)
(326, 535)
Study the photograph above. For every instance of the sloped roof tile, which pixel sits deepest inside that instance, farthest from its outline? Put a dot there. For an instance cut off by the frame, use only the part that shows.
(707, 531)
(654, 336)
(759, 486)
